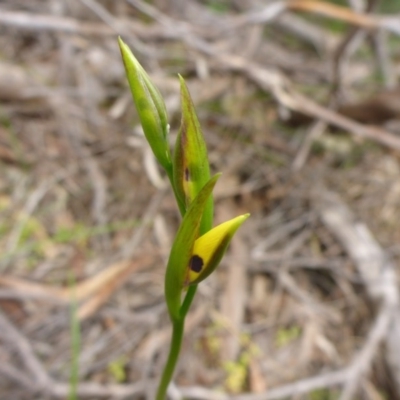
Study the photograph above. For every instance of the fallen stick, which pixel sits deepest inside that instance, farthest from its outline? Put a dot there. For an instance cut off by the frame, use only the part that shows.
(377, 271)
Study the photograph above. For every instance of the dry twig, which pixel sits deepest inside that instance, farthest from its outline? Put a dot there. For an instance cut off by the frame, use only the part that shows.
(378, 273)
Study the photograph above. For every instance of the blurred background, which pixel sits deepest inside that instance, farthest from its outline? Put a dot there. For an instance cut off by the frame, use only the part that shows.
(300, 107)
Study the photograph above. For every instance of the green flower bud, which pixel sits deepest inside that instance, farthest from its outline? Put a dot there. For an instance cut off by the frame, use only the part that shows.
(191, 167)
(150, 107)
(181, 251)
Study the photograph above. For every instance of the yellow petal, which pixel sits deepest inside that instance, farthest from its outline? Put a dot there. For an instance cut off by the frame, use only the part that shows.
(209, 249)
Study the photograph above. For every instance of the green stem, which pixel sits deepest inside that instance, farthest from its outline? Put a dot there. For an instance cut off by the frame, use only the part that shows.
(177, 324)
(187, 302)
(175, 347)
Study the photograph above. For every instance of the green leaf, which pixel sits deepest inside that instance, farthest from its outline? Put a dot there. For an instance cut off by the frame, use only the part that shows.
(150, 107)
(182, 247)
(191, 168)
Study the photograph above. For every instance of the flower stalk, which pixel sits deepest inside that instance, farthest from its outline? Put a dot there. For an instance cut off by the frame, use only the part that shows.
(197, 248)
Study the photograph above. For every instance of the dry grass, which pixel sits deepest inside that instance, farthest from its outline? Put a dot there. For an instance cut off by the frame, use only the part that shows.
(80, 194)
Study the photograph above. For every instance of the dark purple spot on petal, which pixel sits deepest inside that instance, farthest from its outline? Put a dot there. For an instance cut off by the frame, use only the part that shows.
(196, 264)
(187, 174)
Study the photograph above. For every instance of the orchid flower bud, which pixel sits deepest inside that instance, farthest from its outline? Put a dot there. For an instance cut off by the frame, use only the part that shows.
(209, 249)
(181, 251)
(150, 106)
(191, 167)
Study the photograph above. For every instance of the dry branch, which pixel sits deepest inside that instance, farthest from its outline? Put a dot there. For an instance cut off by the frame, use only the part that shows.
(37, 22)
(21, 345)
(378, 274)
(374, 266)
(304, 386)
(363, 20)
(91, 293)
(42, 382)
(273, 81)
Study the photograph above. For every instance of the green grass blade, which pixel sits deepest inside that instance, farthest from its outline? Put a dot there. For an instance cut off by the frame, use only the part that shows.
(75, 344)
